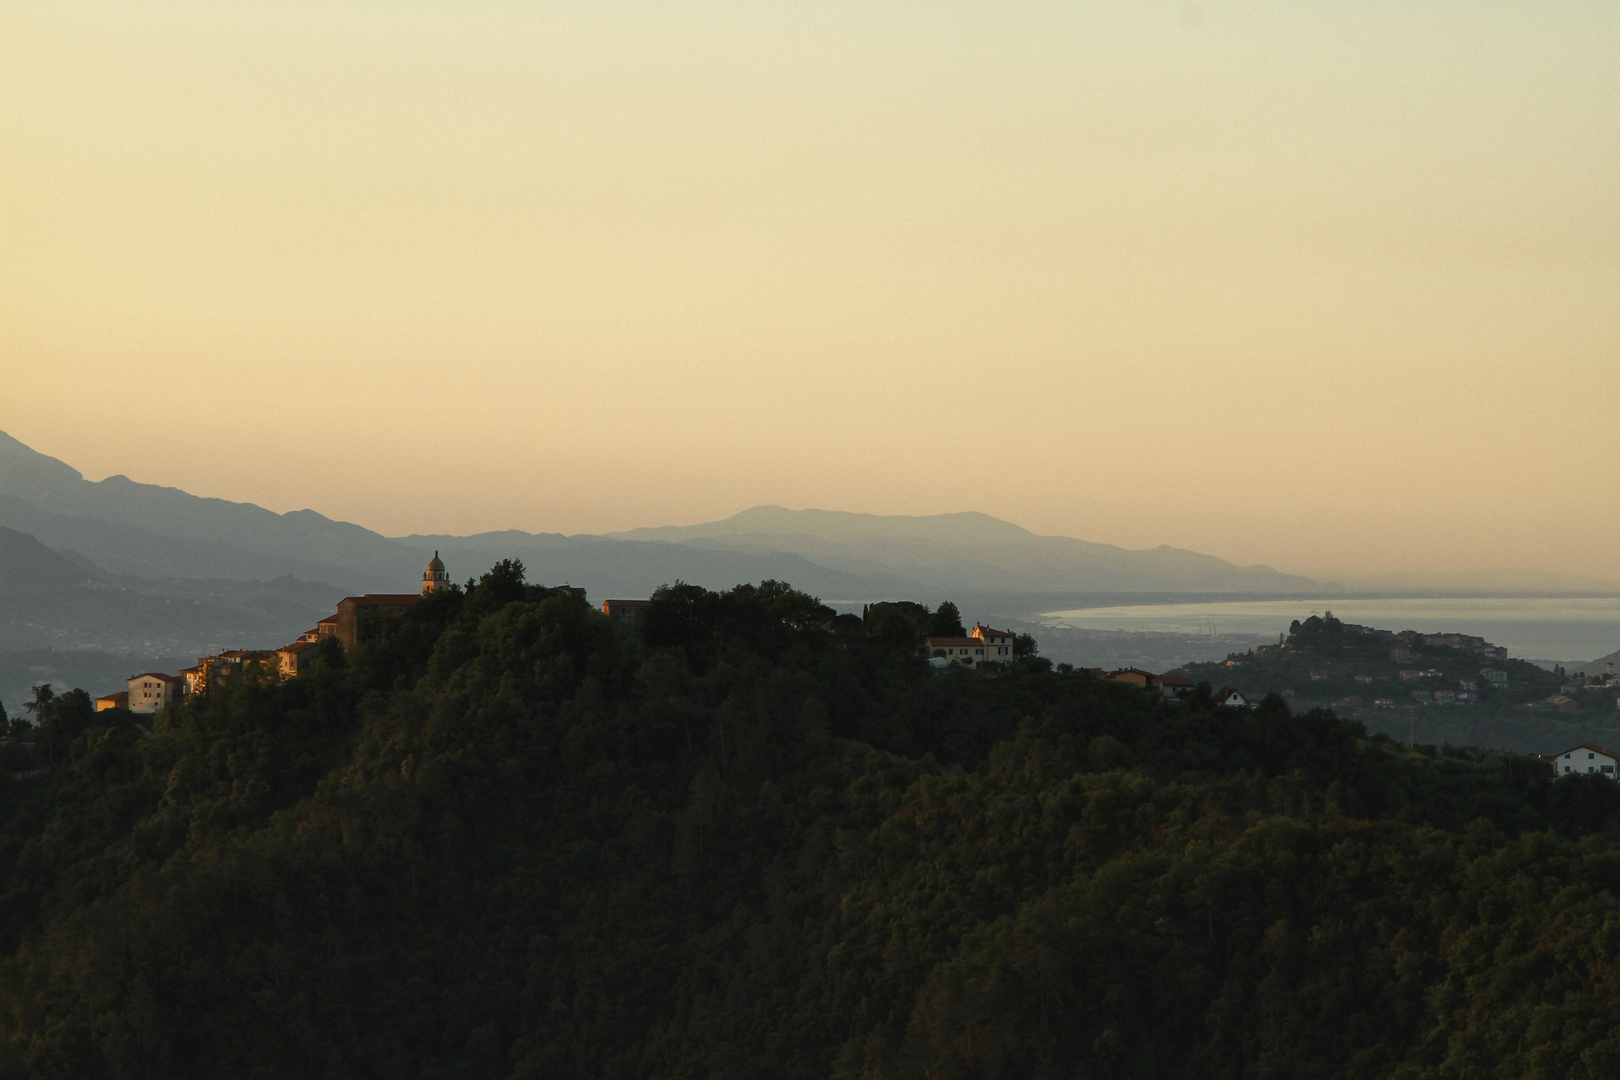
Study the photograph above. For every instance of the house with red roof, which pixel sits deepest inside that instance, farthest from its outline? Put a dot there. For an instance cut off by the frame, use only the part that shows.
(1587, 758)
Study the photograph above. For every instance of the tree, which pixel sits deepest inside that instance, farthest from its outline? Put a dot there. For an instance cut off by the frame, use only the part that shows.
(43, 696)
(896, 625)
(946, 622)
(1025, 645)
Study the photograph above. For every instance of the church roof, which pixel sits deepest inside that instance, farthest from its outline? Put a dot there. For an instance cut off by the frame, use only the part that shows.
(436, 566)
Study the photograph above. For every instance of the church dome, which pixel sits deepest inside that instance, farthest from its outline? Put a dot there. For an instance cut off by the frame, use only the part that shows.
(436, 566)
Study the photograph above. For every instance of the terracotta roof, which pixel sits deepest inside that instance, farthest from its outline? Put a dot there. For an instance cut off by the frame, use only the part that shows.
(117, 699)
(157, 675)
(1590, 746)
(298, 646)
(987, 631)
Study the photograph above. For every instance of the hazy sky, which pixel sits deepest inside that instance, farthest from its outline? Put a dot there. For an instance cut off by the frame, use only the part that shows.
(1330, 286)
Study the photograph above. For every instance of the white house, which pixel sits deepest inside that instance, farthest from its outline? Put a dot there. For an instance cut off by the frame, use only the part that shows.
(1587, 758)
(152, 691)
(1231, 698)
(983, 645)
(998, 644)
(957, 650)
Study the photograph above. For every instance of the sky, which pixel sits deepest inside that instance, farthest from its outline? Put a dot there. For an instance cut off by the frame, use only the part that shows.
(1333, 286)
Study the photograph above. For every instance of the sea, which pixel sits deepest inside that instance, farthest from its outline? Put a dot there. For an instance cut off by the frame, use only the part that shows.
(1565, 630)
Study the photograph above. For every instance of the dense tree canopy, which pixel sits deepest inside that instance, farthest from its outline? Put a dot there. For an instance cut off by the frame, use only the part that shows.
(508, 838)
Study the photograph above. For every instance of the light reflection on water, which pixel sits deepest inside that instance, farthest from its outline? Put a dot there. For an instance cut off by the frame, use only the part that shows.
(1536, 628)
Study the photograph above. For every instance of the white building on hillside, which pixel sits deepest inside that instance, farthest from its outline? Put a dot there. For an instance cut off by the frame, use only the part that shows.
(1587, 758)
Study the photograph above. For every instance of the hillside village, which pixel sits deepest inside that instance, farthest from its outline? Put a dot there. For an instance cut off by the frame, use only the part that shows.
(151, 691)
(1321, 662)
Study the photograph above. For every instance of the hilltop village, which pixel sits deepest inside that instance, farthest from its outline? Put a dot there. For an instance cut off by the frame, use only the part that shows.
(1326, 661)
(1321, 662)
(148, 692)
(153, 690)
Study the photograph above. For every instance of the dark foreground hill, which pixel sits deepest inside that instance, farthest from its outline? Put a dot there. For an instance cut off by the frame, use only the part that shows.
(510, 840)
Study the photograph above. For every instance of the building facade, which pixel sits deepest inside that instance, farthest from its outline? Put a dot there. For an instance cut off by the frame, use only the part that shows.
(998, 644)
(1586, 758)
(357, 615)
(151, 691)
(626, 612)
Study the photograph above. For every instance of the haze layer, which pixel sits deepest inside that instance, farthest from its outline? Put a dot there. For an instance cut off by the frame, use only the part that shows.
(1330, 287)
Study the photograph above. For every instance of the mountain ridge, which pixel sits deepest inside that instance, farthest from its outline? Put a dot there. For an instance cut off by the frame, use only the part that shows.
(974, 549)
(159, 532)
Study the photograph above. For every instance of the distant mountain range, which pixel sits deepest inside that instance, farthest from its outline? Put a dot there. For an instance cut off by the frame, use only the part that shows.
(142, 568)
(971, 551)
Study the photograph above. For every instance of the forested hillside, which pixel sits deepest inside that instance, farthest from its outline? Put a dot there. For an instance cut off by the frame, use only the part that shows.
(511, 839)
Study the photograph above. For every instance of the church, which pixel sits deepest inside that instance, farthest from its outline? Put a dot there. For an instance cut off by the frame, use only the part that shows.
(355, 614)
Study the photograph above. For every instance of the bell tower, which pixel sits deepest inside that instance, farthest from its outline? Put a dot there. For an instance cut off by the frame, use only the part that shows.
(435, 577)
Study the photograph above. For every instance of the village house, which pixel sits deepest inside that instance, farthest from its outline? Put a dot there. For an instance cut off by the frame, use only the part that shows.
(1586, 758)
(956, 650)
(1231, 698)
(355, 617)
(626, 612)
(983, 645)
(1175, 686)
(294, 658)
(998, 644)
(119, 700)
(151, 691)
(1136, 677)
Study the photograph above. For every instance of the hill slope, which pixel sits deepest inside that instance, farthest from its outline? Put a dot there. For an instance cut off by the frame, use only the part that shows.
(506, 841)
(28, 567)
